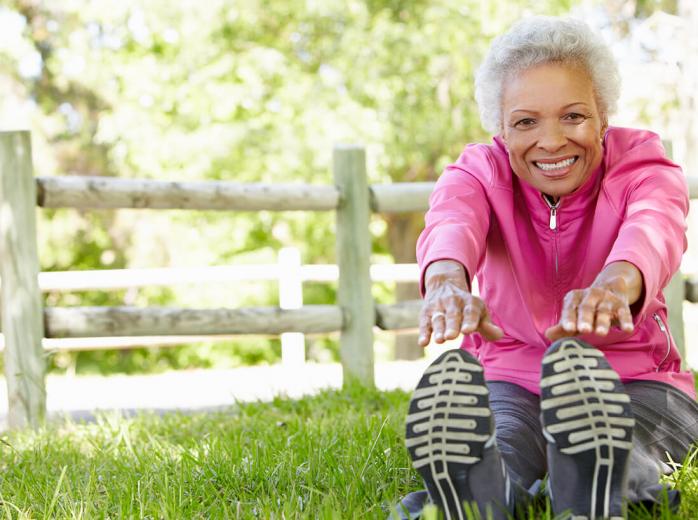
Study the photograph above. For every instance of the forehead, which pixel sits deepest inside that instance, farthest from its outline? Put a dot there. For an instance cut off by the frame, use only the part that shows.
(548, 86)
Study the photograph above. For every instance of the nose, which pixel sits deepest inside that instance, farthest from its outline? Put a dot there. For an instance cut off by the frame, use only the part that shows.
(552, 138)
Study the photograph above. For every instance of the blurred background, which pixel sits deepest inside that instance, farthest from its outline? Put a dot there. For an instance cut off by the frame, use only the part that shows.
(260, 91)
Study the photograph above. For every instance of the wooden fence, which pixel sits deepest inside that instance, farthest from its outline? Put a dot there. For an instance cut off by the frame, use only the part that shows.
(25, 322)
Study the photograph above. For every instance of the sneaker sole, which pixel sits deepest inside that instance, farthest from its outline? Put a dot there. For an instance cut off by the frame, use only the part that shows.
(587, 415)
(449, 424)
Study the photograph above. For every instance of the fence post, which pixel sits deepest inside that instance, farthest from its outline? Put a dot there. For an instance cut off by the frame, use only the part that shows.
(353, 259)
(22, 314)
(291, 297)
(674, 294)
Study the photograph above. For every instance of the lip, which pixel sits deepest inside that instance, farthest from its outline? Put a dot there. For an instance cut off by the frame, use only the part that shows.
(557, 174)
(552, 160)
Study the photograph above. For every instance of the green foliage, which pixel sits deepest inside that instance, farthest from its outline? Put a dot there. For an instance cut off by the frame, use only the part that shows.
(315, 457)
(339, 454)
(249, 91)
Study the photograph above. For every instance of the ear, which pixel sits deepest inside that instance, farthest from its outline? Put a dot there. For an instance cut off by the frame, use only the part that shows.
(604, 127)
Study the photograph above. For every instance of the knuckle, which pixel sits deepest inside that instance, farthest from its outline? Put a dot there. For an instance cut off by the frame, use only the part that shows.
(587, 306)
(453, 316)
(453, 298)
(471, 311)
(606, 306)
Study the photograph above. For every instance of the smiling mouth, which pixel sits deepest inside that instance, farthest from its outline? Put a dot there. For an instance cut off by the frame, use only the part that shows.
(557, 166)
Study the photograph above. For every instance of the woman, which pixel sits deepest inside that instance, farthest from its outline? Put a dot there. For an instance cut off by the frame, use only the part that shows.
(572, 228)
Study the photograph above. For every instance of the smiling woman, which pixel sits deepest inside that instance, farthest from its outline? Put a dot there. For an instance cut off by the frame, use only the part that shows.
(573, 227)
(552, 127)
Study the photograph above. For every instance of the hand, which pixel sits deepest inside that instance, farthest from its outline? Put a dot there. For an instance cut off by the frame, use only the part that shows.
(602, 305)
(449, 309)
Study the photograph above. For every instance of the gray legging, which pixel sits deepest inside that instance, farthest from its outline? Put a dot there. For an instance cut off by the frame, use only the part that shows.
(666, 421)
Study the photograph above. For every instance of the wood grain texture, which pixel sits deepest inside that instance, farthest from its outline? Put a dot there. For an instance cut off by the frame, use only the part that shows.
(82, 322)
(674, 294)
(401, 197)
(111, 193)
(399, 316)
(353, 259)
(22, 320)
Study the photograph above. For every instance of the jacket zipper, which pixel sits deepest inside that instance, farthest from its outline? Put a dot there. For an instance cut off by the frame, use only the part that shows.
(663, 328)
(553, 227)
(553, 224)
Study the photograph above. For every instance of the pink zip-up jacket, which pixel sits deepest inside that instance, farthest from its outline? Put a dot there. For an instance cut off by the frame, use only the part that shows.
(632, 208)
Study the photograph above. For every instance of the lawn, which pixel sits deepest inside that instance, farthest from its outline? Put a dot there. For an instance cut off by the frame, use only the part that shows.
(339, 454)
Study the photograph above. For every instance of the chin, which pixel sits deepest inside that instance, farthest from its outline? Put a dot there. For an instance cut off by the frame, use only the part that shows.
(558, 192)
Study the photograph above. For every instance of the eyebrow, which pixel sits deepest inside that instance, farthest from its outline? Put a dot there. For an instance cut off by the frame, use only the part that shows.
(535, 112)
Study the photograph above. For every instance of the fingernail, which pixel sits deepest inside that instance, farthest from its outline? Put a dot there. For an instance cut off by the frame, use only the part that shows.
(451, 332)
(568, 325)
(585, 327)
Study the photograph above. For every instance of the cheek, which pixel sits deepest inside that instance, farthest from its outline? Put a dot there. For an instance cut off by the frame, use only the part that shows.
(595, 148)
(518, 150)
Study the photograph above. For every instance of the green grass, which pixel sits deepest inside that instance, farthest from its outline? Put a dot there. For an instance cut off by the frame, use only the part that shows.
(334, 455)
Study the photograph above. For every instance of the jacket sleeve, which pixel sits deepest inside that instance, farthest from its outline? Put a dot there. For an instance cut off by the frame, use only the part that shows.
(456, 223)
(652, 235)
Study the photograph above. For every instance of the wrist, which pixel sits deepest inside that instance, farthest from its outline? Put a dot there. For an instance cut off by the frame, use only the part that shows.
(445, 271)
(621, 278)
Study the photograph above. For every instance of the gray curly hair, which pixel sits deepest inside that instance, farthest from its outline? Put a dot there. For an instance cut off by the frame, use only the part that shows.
(538, 40)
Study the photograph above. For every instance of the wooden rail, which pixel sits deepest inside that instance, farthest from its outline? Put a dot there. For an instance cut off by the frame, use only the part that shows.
(117, 193)
(113, 193)
(109, 279)
(80, 322)
(25, 323)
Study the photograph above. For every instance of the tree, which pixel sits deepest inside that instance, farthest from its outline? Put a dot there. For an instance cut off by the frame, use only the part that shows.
(247, 91)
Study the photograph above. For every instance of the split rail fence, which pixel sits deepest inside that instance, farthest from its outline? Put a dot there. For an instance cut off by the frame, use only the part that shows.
(25, 322)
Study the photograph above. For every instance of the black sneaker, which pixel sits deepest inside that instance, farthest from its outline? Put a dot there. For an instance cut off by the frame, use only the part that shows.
(450, 437)
(588, 423)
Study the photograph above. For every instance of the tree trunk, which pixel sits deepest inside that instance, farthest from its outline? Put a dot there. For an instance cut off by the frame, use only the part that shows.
(403, 230)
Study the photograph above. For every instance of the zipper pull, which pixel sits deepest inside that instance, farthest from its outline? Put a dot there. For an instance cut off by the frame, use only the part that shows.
(553, 218)
(659, 322)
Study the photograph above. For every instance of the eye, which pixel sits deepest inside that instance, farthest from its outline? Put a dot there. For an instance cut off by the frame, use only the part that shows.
(574, 117)
(526, 122)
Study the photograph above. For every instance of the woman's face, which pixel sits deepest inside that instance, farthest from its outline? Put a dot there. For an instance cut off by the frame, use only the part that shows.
(552, 127)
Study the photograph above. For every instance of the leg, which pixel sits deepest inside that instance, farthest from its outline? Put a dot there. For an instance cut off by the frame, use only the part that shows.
(519, 434)
(666, 423)
(450, 436)
(588, 422)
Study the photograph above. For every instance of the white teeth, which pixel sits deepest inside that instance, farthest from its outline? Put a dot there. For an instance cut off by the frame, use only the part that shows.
(557, 165)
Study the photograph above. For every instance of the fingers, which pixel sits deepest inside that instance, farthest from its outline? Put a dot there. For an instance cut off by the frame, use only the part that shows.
(568, 317)
(443, 326)
(472, 314)
(490, 331)
(604, 317)
(587, 310)
(593, 310)
(447, 317)
(556, 332)
(625, 319)
(425, 328)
